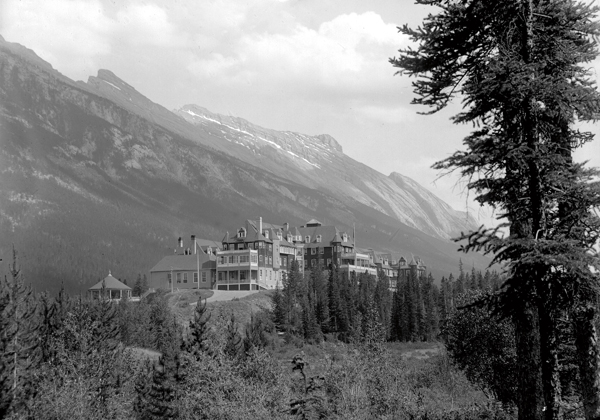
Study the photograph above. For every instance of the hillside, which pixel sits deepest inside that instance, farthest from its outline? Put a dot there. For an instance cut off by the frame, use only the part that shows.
(96, 177)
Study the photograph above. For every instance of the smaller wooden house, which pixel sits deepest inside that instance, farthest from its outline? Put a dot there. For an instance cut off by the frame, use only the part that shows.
(109, 288)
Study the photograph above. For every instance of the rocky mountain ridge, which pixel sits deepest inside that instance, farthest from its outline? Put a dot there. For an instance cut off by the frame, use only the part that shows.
(95, 176)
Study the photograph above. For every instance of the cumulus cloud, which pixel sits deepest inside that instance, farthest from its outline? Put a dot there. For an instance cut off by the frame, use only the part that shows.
(348, 53)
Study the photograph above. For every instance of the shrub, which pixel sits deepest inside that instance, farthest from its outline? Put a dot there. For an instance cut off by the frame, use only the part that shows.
(482, 345)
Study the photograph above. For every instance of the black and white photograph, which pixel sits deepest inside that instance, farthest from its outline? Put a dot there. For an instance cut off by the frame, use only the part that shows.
(299, 209)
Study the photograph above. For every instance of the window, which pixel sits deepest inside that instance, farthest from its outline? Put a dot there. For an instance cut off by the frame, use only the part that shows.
(305, 251)
(321, 250)
(169, 277)
(307, 239)
(204, 276)
(196, 277)
(313, 251)
(244, 258)
(328, 262)
(318, 238)
(243, 275)
(178, 277)
(271, 260)
(260, 258)
(313, 263)
(253, 258)
(233, 275)
(270, 247)
(242, 233)
(261, 272)
(222, 276)
(251, 245)
(185, 277)
(267, 234)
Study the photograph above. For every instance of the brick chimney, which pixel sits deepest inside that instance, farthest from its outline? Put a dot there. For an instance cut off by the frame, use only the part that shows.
(194, 244)
(260, 225)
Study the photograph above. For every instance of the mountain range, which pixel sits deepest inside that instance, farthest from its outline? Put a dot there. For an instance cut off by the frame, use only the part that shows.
(94, 176)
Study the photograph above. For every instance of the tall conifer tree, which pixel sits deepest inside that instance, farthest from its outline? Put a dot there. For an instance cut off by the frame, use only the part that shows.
(518, 64)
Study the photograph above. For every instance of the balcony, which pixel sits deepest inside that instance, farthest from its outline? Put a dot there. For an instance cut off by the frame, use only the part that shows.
(358, 269)
(245, 258)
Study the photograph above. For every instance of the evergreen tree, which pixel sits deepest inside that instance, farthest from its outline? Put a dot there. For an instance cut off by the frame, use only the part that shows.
(19, 341)
(49, 325)
(396, 317)
(158, 400)
(310, 324)
(137, 287)
(383, 301)
(333, 295)
(145, 287)
(373, 331)
(518, 65)
(233, 340)
(279, 307)
(195, 342)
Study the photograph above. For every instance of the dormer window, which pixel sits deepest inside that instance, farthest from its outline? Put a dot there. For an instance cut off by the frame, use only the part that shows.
(345, 238)
(289, 238)
(267, 234)
(279, 235)
(318, 238)
(307, 239)
(242, 233)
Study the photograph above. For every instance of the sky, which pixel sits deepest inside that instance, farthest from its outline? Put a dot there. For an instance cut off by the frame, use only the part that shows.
(310, 66)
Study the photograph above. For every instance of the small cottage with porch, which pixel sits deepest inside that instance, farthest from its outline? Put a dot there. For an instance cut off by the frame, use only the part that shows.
(111, 287)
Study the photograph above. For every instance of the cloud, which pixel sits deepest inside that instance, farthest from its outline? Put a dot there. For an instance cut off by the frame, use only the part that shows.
(142, 24)
(346, 54)
(68, 33)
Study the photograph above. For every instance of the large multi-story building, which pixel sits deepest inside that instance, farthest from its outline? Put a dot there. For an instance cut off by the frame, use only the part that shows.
(256, 257)
(259, 254)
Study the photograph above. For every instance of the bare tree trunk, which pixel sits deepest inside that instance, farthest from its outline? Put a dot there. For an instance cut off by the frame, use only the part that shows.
(531, 401)
(588, 359)
(550, 363)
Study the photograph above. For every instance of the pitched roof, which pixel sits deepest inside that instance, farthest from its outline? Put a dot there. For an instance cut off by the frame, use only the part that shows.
(328, 234)
(184, 262)
(110, 283)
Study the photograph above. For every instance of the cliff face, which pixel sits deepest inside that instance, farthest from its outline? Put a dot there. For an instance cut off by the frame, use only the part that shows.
(94, 176)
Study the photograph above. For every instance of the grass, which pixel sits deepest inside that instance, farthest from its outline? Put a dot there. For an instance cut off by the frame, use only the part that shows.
(179, 302)
(242, 308)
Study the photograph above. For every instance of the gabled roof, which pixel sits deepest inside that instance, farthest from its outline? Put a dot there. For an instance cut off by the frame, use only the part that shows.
(184, 262)
(110, 283)
(329, 234)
